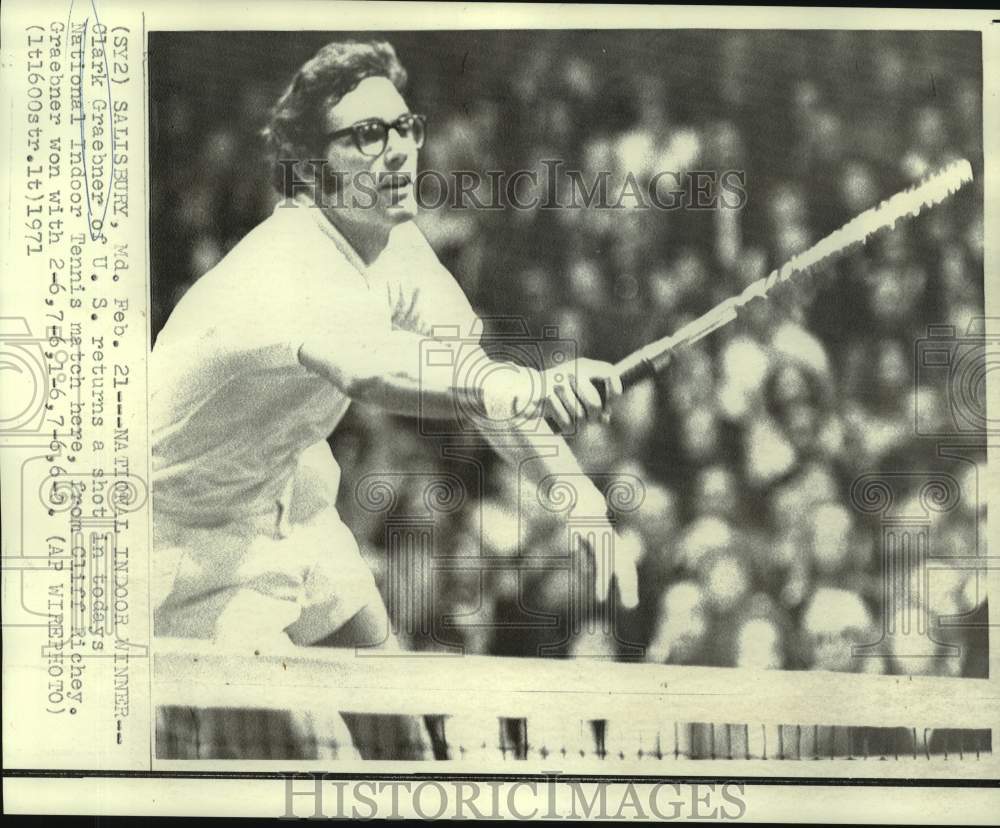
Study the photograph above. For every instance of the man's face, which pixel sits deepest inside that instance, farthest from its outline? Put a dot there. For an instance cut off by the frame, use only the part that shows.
(380, 189)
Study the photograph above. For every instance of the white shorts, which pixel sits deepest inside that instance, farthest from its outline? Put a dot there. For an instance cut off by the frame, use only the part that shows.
(292, 571)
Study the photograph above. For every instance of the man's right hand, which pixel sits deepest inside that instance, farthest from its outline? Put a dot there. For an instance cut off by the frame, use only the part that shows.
(564, 395)
(570, 392)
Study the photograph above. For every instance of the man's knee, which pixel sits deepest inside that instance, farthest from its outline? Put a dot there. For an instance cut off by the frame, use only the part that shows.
(369, 628)
(375, 628)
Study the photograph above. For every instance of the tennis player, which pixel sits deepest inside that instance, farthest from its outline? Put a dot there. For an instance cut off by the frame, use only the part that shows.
(325, 302)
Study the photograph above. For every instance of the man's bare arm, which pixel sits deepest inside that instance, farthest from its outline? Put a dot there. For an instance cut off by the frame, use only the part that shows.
(386, 371)
(511, 405)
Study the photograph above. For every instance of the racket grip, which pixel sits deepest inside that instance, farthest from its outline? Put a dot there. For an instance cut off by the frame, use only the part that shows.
(635, 373)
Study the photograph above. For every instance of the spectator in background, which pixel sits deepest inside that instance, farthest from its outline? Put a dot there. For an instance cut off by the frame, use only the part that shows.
(834, 622)
(780, 408)
(762, 631)
(683, 624)
(881, 418)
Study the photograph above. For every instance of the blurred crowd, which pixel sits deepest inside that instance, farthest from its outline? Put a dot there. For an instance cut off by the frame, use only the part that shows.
(751, 550)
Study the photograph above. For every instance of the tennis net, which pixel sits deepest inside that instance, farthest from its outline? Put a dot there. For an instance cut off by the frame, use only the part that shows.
(493, 708)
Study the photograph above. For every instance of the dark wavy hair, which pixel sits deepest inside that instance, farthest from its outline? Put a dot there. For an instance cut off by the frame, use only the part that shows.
(295, 129)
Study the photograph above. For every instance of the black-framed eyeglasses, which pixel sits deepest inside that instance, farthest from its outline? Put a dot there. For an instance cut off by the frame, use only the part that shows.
(371, 135)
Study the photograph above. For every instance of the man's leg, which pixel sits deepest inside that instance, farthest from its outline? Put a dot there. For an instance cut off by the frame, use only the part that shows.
(382, 736)
(344, 606)
(369, 628)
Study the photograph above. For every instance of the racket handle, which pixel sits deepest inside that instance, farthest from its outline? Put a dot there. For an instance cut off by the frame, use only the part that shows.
(632, 373)
(637, 372)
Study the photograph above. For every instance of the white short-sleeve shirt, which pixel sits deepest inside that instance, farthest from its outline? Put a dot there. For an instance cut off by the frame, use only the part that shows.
(244, 486)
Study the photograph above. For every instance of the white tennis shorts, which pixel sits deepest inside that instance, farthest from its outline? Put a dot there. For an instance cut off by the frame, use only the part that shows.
(291, 571)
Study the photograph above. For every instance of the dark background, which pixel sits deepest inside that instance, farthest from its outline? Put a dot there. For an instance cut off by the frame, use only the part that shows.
(752, 551)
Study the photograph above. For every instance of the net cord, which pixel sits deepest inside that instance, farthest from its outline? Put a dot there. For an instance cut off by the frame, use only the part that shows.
(200, 674)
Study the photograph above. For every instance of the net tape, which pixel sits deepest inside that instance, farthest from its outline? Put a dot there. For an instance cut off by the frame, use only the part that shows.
(216, 703)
